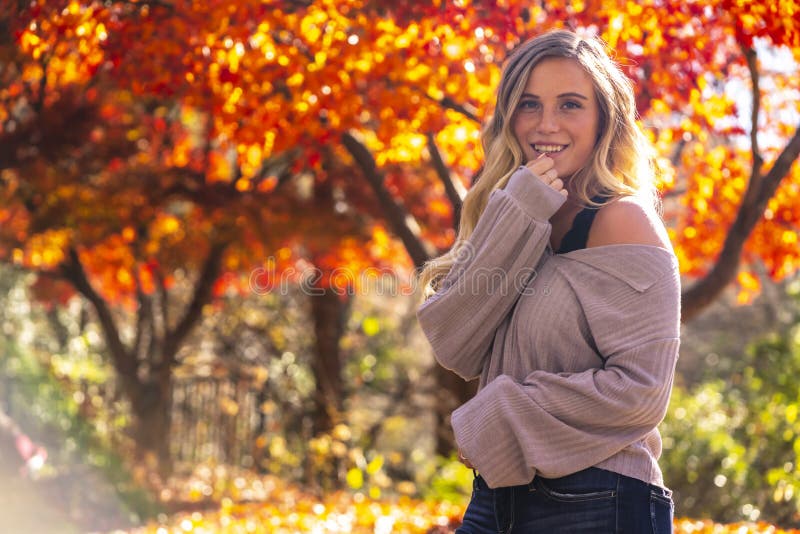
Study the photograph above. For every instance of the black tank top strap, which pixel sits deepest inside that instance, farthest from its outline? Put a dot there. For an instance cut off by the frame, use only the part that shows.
(578, 234)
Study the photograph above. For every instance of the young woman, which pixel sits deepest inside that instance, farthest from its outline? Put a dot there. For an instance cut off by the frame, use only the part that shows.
(562, 294)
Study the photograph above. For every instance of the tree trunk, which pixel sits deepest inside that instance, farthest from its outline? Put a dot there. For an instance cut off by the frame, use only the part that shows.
(151, 404)
(453, 391)
(329, 313)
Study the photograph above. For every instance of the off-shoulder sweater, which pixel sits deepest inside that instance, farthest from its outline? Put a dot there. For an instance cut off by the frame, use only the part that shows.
(576, 352)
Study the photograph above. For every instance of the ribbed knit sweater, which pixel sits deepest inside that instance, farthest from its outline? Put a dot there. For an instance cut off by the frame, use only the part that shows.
(576, 352)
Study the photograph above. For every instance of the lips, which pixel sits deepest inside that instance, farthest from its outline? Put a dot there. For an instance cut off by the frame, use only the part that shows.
(548, 148)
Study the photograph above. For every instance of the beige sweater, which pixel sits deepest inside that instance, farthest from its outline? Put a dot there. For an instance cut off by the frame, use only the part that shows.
(575, 352)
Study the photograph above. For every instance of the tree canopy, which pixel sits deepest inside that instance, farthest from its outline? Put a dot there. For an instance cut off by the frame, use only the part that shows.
(133, 130)
(236, 145)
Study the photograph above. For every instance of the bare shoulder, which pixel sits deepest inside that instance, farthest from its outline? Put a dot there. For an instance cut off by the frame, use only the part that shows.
(628, 220)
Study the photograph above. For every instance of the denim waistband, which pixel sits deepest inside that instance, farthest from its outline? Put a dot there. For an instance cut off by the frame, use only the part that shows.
(591, 475)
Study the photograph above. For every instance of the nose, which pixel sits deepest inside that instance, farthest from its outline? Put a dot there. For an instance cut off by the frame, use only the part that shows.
(549, 122)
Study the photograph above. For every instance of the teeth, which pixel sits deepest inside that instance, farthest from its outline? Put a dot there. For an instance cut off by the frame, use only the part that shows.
(549, 148)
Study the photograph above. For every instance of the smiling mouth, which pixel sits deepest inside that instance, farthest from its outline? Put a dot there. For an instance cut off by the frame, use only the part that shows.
(549, 149)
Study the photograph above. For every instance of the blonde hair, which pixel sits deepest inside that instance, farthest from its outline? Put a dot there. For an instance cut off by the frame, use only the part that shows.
(621, 164)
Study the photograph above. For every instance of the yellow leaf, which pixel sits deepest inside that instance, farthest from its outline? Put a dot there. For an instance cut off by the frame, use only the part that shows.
(375, 465)
(295, 79)
(341, 432)
(229, 406)
(791, 413)
(371, 326)
(355, 478)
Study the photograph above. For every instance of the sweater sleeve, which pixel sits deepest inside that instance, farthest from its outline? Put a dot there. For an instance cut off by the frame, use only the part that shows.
(559, 423)
(491, 270)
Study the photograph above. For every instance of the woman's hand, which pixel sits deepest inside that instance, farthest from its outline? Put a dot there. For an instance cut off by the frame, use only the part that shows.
(463, 460)
(544, 169)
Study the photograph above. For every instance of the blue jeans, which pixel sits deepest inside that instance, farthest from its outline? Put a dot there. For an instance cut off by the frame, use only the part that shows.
(590, 501)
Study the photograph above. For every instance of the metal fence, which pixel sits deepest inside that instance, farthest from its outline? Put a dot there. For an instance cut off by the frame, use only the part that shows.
(215, 418)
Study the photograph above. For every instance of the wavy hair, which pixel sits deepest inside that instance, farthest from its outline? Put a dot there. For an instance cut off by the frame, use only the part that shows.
(621, 164)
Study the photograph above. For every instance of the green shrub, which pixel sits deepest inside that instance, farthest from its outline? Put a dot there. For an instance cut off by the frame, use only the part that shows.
(732, 443)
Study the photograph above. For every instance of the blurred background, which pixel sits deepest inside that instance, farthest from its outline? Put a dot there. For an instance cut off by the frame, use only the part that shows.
(210, 218)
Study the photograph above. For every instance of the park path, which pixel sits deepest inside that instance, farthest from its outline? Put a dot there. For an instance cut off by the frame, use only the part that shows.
(75, 501)
(26, 509)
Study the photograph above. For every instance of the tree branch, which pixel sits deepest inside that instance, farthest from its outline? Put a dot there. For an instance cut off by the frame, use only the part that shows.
(163, 300)
(780, 168)
(125, 363)
(141, 318)
(202, 295)
(449, 103)
(750, 212)
(444, 175)
(38, 104)
(675, 159)
(148, 3)
(759, 190)
(396, 214)
(752, 66)
(755, 174)
(673, 193)
(279, 166)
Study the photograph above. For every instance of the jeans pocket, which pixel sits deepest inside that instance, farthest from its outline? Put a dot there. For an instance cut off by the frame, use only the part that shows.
(573, 495)
(661, 512)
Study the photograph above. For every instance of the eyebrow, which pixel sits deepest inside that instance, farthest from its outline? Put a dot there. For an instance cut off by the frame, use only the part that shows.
(562, 95)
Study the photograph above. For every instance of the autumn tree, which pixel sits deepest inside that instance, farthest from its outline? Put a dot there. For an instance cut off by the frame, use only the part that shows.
(328, 134)
(136, 203)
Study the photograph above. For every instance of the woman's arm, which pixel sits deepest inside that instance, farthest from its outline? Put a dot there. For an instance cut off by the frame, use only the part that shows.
(558, 423)
(492, 269)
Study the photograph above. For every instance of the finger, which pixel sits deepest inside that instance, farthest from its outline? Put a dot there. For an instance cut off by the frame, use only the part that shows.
(548, 176)
(539, 173)
(540, 165)
(557, 184)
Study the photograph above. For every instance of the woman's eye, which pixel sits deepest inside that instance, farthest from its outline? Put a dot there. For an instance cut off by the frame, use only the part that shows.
(528, 104)
(571, 105)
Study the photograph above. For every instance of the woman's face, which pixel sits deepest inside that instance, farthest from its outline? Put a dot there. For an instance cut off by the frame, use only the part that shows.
(558, 114)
